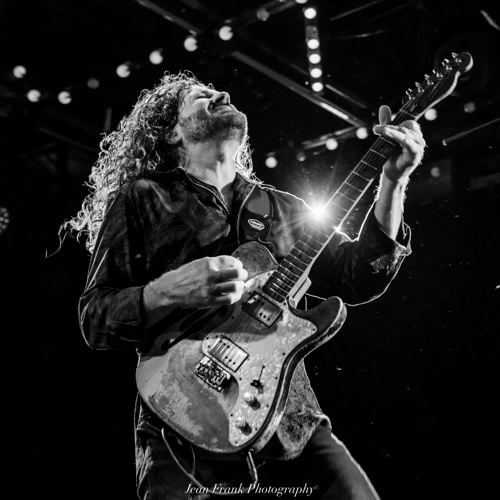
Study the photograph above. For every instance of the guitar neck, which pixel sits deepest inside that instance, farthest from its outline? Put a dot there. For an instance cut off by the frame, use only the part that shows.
(306, 250)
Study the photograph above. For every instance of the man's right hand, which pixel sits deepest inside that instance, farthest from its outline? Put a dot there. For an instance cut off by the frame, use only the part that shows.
(205, 282)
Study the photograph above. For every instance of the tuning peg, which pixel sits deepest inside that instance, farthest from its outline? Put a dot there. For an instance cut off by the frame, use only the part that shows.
(445, 63)
(456, 57)
(410, 93)
(419, 87)
(428, 79)
(436, 73)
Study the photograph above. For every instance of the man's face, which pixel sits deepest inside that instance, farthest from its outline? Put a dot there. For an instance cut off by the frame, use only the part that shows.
(208, 115)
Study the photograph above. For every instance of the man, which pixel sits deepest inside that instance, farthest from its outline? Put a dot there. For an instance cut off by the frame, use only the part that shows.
(162, 221)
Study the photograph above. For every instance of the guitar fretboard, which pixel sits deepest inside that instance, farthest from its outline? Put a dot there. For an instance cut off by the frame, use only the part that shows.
(314, 239)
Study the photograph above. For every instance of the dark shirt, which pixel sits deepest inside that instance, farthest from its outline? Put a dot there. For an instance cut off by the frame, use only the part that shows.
(159, 223)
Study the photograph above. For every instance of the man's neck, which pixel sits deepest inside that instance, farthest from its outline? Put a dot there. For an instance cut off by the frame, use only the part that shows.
(214, 164)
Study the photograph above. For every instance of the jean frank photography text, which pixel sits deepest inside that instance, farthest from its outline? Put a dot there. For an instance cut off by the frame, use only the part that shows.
(255, 488)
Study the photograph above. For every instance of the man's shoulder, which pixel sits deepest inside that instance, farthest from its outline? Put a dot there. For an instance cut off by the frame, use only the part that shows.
(284, 198)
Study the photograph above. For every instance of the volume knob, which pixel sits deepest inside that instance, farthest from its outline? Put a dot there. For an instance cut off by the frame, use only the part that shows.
(242, 424)
(249, 399)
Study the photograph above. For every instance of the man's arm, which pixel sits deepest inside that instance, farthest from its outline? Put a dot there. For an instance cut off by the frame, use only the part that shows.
(389, 205)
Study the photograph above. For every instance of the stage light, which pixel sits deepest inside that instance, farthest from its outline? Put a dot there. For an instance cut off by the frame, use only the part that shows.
(93, 83)
(316, 72)
(156, 57)
(34, 95)
(331, 144)
(225, 33)
(310, 13)
(64, 97)
(317, 86)
(470, 107)
(435, 172)
(314, 58)
(263, 14)
(300, 155)
(318, 211)
(123, 70)
(313, 43)
(4, 219)
(271, 161)
(300, 2)
(430, 114)
(190, 43)
(19, 71)
(362, 133)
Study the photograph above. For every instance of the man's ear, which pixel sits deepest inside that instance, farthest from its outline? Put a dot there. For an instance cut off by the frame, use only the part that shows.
(175, 136)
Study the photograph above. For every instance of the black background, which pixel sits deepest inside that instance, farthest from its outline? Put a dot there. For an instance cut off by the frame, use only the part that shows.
(410, 382)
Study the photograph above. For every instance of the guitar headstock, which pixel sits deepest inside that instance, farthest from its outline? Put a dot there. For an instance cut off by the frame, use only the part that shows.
(438, 85)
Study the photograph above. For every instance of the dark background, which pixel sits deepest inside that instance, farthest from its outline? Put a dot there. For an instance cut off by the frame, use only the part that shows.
(411, 381)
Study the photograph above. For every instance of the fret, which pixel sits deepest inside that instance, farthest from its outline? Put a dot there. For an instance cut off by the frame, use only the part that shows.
(354, 172)
(286, 262)
(290, 256)
(388, 141)
(334, 202)
(350, 192)
(286, 271)
(307, 258)
(344, 196)
(413, 117)
(282, 279)
(368, 171)
(314, 239)
(369, 164)
(300, 246)
(278, 288)
(351, 186)
(377, 153)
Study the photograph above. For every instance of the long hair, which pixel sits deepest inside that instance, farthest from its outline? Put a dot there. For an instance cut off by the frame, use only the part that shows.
(139, 146)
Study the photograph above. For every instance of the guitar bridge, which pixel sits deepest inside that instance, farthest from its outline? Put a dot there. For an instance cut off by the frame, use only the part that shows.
(262, 309)
(212, 374)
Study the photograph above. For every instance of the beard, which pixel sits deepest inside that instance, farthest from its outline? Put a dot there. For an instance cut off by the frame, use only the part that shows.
(222, 125)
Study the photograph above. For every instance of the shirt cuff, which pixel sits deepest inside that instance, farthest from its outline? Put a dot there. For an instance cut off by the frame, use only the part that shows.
(383, 253)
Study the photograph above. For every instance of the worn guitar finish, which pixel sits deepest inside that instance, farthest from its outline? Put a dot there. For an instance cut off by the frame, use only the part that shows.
(223, 383)
(243, 405)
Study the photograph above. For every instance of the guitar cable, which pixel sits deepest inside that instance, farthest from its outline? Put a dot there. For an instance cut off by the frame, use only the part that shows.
(252, 469)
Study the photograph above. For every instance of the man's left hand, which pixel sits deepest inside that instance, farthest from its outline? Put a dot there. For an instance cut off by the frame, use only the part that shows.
(409, 136)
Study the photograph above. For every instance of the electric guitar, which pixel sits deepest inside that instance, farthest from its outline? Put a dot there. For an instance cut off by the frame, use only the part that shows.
(223, 383)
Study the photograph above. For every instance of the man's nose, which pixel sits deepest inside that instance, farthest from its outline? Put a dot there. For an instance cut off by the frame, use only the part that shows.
(221, 98)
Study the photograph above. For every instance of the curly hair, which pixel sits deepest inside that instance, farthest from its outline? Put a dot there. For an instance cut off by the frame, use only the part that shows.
(139, 146)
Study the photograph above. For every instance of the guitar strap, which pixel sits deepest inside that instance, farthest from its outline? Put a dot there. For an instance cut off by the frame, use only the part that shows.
(256, 217)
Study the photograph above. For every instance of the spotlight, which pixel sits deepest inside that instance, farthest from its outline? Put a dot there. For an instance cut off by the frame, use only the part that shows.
(435, 172)
(190, 43)
(34, 95)
(313, 43)
(156, 57)
(271, 161)
(316, 72)
(362, 133)
(123, 70)
(19, 71)
(263, 15)
(64, 97)
(314, 58)
(225, 33)
(470, 107)
(310, 13)
(317, 86)
(331, 144)
(300, 155)
(93, 83)
(300, 2)
(430, 114)
(318, 211)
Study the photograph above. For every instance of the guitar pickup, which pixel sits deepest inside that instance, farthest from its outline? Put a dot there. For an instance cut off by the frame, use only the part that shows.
(262, 309)
(212, 374)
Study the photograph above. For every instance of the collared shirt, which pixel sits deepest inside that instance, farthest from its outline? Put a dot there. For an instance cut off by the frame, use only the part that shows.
(161, 222)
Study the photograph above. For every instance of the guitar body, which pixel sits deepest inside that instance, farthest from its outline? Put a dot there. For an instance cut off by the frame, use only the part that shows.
(224, 386)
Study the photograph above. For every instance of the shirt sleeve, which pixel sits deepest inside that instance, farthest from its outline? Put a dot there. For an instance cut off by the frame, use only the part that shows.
(360, 270)
(110, 308)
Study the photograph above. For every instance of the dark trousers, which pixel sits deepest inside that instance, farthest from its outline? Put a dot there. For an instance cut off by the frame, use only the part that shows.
(324, 470)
